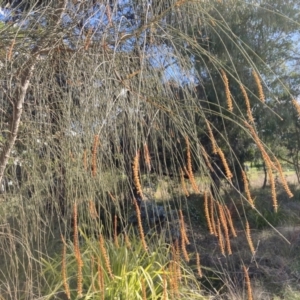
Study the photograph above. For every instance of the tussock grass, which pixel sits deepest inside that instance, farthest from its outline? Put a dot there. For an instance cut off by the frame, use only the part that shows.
(133, 272)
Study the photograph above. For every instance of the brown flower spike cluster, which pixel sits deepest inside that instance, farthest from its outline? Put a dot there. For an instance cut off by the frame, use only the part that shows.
(296, 105)
(206, 210)
(225, 164)
(248, 283)
(189, 167)
(227, 90)
(184, 239)
(247, 190)
(259, 86)
(212, 138)
(247, 101)
(249, 239)
(225, 228)
(140, 225)
(105, 256)
(136, 177)
(224, 225)
(269, 164)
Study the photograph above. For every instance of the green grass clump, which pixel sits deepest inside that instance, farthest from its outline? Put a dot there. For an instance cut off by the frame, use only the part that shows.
(135, 273)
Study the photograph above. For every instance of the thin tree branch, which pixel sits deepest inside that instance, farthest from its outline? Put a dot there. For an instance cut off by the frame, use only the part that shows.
(23, 79)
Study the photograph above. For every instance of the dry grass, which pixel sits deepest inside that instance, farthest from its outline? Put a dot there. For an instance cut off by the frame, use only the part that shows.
(273, 270)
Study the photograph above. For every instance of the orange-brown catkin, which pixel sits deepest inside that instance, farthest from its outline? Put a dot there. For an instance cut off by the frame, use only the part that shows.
(212, 138)
(184, 238)
(79, 274)
(249, 239)
(174, 282)
(189, 167)
(105, 256)
(136, 177)
(206, 209)
(273, 189)
(248, 283)
(182, 227)
(212, 215)
(220, 237)
(260, 146)
(144, 294)
(247, 101)
(225, 227)
(296, 105)
(283, 180)
(198, 265)
(177, 264)
(224, 162)
(184, 251)
(261, 95)
(227, 91)
(101, 279)
(247, 190)
(140, 225)
(230, 222)
(127, 241)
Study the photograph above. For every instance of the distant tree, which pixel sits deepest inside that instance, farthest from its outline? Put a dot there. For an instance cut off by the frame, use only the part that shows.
(237, 43)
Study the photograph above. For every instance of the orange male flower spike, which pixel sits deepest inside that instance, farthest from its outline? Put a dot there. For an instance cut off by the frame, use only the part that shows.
(247, 190)
(259, 86)
(189, 167)
(206, 209)
(248, 283)
(136, 177)
(224, 161)
(227, 91)
(212, 138)
(249, 239)
(247, 101)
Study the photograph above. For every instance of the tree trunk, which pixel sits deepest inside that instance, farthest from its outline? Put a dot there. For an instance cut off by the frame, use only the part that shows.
(18, 103)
